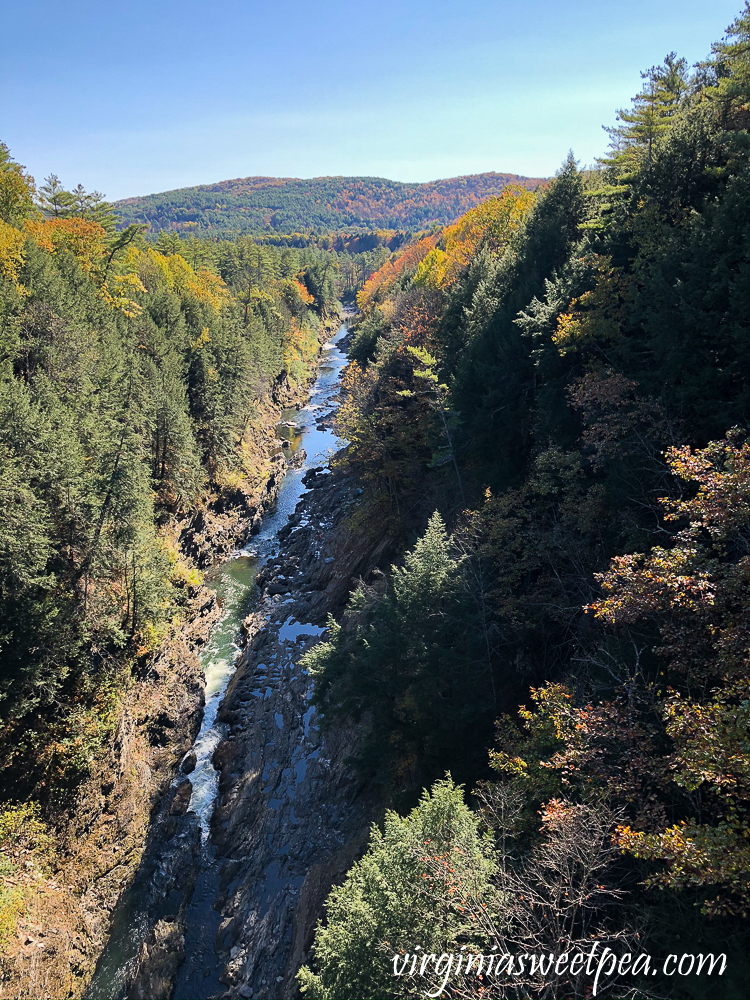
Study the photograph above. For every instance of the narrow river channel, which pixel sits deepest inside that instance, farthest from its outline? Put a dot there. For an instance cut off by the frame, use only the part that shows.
(234, 582)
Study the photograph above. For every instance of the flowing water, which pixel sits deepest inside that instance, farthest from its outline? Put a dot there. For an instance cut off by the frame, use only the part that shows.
(234, 582)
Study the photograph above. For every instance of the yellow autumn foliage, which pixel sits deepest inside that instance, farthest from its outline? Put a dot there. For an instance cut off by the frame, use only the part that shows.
(493, 222)
(12, 242)
(172, 270)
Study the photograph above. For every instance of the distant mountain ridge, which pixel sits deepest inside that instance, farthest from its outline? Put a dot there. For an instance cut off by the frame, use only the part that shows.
(321, 204)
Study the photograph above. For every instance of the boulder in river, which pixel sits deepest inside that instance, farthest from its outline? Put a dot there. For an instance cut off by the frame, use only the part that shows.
(159, 960)
(181, 798)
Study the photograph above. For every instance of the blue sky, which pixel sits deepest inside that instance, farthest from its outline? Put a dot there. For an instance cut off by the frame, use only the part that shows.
(135, 97)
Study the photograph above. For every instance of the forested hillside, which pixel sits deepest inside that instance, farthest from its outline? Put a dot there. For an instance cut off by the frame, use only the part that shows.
(322, 204)
(136, 388)
(548, 404)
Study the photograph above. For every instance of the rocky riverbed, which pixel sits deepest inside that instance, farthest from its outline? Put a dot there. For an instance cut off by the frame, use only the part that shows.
(291, 815)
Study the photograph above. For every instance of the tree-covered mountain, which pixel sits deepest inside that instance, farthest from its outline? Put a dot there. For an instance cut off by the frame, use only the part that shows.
(322, 204)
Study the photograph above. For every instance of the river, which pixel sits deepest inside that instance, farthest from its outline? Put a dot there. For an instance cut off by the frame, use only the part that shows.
(234, 582)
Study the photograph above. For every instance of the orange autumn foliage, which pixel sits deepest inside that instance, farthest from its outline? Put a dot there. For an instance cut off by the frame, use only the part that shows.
(85, 239)
(379, 283)
(304, 294)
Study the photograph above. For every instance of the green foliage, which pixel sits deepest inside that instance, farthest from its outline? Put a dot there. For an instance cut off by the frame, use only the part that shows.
(54, 200)
(633, 141)
(390, 428)
(128, 385)
(410, 661)
(366, 337)
(323, 204)
(539, 543)
(396, 896)
(487, 357)
(731, 64)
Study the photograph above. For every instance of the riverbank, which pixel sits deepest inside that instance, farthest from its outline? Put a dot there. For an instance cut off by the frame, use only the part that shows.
(99, 840)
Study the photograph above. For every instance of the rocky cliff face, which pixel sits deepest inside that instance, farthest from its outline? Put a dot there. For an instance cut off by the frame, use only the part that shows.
(231, 516)
(291, 815)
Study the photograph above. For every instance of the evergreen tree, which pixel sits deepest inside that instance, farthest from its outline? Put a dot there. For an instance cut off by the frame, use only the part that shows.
(653, 108)
(54, 200)
(410, 661)
(731, 64)
(493, 384)
(399, 896)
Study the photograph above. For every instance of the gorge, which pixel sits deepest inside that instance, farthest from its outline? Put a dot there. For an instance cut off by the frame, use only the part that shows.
(285, 817)
(333, 636)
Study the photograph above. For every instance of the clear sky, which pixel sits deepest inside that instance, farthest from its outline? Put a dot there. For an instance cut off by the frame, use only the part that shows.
(147, 95)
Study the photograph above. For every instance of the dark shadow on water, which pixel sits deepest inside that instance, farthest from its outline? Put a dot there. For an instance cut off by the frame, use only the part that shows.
(198, 976)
